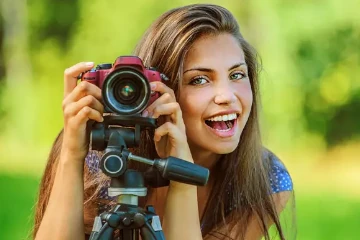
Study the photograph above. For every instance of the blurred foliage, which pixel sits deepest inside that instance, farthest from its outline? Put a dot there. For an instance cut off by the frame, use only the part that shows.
(52, 20)
(331, 83)
(310, 80)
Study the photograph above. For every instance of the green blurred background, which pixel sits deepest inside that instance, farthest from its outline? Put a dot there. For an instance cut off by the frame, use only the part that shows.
(310, 92)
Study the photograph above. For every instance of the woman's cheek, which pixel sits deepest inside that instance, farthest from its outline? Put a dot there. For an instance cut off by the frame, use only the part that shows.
(245, 95)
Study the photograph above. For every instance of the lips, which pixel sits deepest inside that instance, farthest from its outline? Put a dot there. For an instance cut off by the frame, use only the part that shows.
(222, 121)
(223, 117)
(221, 125)
(224, 129)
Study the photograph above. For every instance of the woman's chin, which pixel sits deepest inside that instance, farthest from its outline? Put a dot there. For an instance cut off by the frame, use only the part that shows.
(224, 148)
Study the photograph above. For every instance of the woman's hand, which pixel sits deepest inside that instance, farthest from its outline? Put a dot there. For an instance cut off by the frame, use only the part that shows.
(170, 138)
(81, 103)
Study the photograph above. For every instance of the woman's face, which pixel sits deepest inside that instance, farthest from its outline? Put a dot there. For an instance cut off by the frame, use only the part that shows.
(215, 94)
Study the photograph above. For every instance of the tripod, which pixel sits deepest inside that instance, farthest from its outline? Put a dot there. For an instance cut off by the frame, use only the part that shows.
(128, 184)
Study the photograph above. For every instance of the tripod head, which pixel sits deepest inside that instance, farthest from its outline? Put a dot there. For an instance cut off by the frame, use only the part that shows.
(113, 136)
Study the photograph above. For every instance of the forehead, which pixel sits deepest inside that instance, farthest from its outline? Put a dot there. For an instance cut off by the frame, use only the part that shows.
(214, 51)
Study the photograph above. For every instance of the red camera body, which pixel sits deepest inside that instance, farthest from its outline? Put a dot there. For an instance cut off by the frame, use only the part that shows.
(126, 78)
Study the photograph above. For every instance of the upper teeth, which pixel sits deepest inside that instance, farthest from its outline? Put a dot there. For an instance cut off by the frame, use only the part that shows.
(227, 117)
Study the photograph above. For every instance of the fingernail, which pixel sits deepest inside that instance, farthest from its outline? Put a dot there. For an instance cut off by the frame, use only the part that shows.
(152, 85)
(89, 64)
(156, 138)
(145, 113)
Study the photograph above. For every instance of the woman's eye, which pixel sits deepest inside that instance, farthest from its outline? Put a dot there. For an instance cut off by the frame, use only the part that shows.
(198, 81)
(237, 76)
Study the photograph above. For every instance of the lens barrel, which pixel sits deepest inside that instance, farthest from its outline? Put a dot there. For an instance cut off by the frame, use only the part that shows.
(126, 91)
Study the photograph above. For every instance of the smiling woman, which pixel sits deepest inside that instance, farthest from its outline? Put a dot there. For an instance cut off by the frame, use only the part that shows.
(215, 87)
(209, 115)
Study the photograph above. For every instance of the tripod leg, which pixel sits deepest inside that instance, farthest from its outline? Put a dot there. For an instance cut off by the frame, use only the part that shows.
(105, 233)
(152, 229)
(132, 234)
(147, 233)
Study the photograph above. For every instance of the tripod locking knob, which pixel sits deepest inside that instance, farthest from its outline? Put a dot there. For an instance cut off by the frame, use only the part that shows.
(113, 164)
(127, 221)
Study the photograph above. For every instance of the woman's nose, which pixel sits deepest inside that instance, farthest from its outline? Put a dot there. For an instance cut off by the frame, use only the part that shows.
(224, 94)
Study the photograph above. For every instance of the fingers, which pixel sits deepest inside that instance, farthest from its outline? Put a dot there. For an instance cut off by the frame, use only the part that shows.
(89, 101)
(81, 90)
(172, 110)
(167, 96)
(161, 88)
(172, 131)
(71, 74)
(85, 114)
(163, 99)
(81, 103)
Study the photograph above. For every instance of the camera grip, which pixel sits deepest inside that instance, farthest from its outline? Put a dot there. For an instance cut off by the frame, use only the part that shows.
(179, 170)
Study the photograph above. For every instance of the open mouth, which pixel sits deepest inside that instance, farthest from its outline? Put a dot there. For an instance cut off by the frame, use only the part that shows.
(222, 123)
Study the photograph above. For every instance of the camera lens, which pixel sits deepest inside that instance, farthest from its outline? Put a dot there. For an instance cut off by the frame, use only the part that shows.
(126, 91)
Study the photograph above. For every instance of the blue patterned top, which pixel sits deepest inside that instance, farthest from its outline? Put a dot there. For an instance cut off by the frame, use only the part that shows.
(280, 179)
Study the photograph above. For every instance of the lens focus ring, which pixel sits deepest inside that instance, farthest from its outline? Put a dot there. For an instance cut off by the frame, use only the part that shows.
(126, 91)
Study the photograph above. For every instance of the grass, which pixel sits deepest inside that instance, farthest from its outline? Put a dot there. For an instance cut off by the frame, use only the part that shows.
(17, 199)
(320, 216)
(328, 216)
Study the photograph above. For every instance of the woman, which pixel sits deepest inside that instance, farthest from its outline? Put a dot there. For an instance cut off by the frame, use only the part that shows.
(211, 106)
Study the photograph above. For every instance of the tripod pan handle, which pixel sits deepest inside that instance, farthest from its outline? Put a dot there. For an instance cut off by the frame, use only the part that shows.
(179, 170)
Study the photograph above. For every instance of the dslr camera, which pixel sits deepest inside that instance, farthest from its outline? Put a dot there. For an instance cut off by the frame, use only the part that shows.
(125, 85)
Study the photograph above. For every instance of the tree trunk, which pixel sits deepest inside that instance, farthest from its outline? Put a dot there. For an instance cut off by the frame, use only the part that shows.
(15, 42)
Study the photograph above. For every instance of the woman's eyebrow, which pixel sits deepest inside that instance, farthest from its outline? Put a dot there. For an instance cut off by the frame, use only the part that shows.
(237, 65)
(202, 69)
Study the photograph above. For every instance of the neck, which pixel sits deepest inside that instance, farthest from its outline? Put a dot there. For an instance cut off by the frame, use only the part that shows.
(206, 159)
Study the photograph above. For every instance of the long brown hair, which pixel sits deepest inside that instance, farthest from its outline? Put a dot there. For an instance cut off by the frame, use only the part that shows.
(165, 45)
